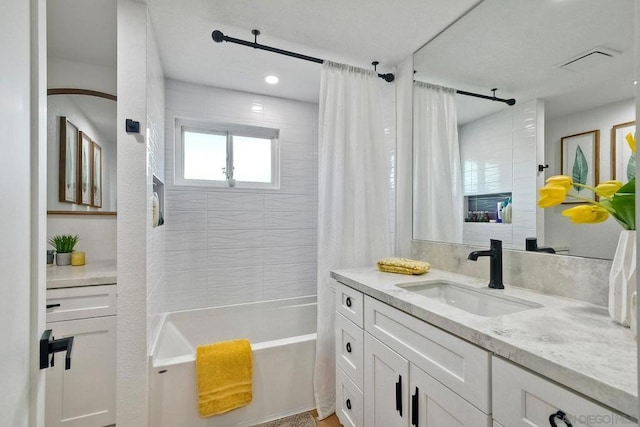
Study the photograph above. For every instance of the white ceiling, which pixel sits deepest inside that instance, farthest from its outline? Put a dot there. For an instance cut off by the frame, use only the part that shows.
(355, 32)
(515, 45)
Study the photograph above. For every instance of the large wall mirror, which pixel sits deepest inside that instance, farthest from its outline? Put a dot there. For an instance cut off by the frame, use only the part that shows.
(81, 151)
(570, 66)
(81, 107)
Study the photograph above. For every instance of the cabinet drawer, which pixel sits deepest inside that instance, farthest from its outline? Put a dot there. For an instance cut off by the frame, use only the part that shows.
(81, 302)
(457, 364)
(349, 401)
(521, 398)
(349, 303)
(349, 349)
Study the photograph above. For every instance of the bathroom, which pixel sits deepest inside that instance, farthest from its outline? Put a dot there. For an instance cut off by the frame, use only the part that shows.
(196, 259)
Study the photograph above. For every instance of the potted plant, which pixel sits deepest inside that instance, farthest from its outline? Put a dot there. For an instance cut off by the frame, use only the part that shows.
(63, 243)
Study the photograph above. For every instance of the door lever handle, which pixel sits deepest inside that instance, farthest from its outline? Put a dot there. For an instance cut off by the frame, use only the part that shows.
(49, 345)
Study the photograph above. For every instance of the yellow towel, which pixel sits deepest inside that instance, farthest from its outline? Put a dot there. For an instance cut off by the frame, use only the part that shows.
(403, 266)
(224, 374)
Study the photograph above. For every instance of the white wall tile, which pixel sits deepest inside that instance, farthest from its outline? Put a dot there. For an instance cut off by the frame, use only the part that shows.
(245, 232)
(234, 257)
(235, 238)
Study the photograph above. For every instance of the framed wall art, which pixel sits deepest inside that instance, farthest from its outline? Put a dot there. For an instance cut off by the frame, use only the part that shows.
(96, 176)
(623, 161)
(579, 160)
(84, 170)
(68, 164)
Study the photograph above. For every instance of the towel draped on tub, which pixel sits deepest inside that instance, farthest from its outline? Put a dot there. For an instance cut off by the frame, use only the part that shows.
(224, 374)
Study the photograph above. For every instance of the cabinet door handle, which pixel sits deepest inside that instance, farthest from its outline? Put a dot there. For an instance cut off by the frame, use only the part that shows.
(414, 408)
(348, 347)
(399, 395)
(53, 305)
(348, 404)
(348, 301)
(561, 416)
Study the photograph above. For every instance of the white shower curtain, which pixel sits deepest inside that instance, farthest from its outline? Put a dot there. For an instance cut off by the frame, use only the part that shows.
(353, 198)
(437, 189)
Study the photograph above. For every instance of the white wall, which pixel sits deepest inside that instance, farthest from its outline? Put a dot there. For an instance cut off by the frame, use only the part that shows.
(558, 230)
(133, 217)
(155, 149)
(231, 245)
(63, 73)
(97, 234)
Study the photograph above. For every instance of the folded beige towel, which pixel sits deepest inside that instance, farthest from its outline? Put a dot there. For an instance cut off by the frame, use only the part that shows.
(403, 266)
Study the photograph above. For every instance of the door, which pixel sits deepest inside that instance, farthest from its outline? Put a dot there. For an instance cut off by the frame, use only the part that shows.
(434, 405)
(386, 380)
(85, 394)
(22, 195)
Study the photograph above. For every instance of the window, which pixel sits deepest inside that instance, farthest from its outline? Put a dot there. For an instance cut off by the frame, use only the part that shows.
(226, 155)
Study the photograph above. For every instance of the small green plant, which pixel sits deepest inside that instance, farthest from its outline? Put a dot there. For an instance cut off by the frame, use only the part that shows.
(64, 243)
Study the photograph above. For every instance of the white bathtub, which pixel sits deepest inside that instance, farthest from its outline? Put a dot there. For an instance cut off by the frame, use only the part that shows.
(283, 340)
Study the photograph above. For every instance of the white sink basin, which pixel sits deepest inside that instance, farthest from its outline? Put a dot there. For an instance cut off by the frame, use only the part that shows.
(482, 302)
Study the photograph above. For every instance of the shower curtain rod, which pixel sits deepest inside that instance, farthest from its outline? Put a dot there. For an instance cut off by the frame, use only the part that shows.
(219, 37)
(509, 101)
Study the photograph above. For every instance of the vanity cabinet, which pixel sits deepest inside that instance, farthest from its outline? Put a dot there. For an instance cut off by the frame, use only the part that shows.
(409, 374)
(83, 396)
(522, 398)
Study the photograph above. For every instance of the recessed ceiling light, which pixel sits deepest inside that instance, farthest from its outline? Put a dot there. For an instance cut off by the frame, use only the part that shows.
(256, 108)
(635, 82)
(272, 79)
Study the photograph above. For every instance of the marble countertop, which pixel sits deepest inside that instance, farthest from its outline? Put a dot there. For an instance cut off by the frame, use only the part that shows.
(571, 342)
(90, 274)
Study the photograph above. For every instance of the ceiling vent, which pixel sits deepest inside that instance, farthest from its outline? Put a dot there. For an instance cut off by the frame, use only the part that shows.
(589, 60)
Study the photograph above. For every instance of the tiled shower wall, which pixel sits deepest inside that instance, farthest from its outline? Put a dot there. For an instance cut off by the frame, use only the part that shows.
(229, 245)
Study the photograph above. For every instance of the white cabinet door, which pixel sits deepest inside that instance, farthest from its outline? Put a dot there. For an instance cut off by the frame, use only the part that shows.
(521, 398)
(386, 379)
(83, 396)
(434, 405)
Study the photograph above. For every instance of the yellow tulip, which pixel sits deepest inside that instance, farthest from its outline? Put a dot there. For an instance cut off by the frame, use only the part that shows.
(586, 214)
(562, 180)
(631, 141)
(552, 195)
(608, 188)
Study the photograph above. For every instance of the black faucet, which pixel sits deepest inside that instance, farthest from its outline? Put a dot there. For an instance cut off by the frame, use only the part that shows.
(495, 263)
(531, 245)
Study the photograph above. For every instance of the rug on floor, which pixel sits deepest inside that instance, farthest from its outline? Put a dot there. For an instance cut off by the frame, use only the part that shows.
(299, 420)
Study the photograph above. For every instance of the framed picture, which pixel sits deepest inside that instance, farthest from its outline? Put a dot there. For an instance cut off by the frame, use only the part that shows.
(84, 170)
(579, 160)
(96, 176)
(68, 179)
(623, 161)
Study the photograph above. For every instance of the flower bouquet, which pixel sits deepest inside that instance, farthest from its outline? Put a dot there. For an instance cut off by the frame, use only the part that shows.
(619, 201)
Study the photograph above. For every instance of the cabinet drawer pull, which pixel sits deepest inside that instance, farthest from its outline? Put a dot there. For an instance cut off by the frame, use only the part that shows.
(414, 408)
(399, 395)
(561, 416)
(53, 305)
(348, 301)
(348, 404)
(348, 347)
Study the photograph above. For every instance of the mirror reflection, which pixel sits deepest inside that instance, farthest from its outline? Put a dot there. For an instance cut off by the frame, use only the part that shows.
(81, 152)
(569, 65)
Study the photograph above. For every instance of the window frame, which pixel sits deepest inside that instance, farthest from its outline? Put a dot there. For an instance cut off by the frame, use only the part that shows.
(229, 130)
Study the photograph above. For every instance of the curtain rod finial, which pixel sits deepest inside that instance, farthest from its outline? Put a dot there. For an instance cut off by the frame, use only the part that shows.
(217, 36)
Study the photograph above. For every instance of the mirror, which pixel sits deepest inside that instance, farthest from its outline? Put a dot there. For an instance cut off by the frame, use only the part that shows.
(570, 66)
(83, 179)
(81, 58)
